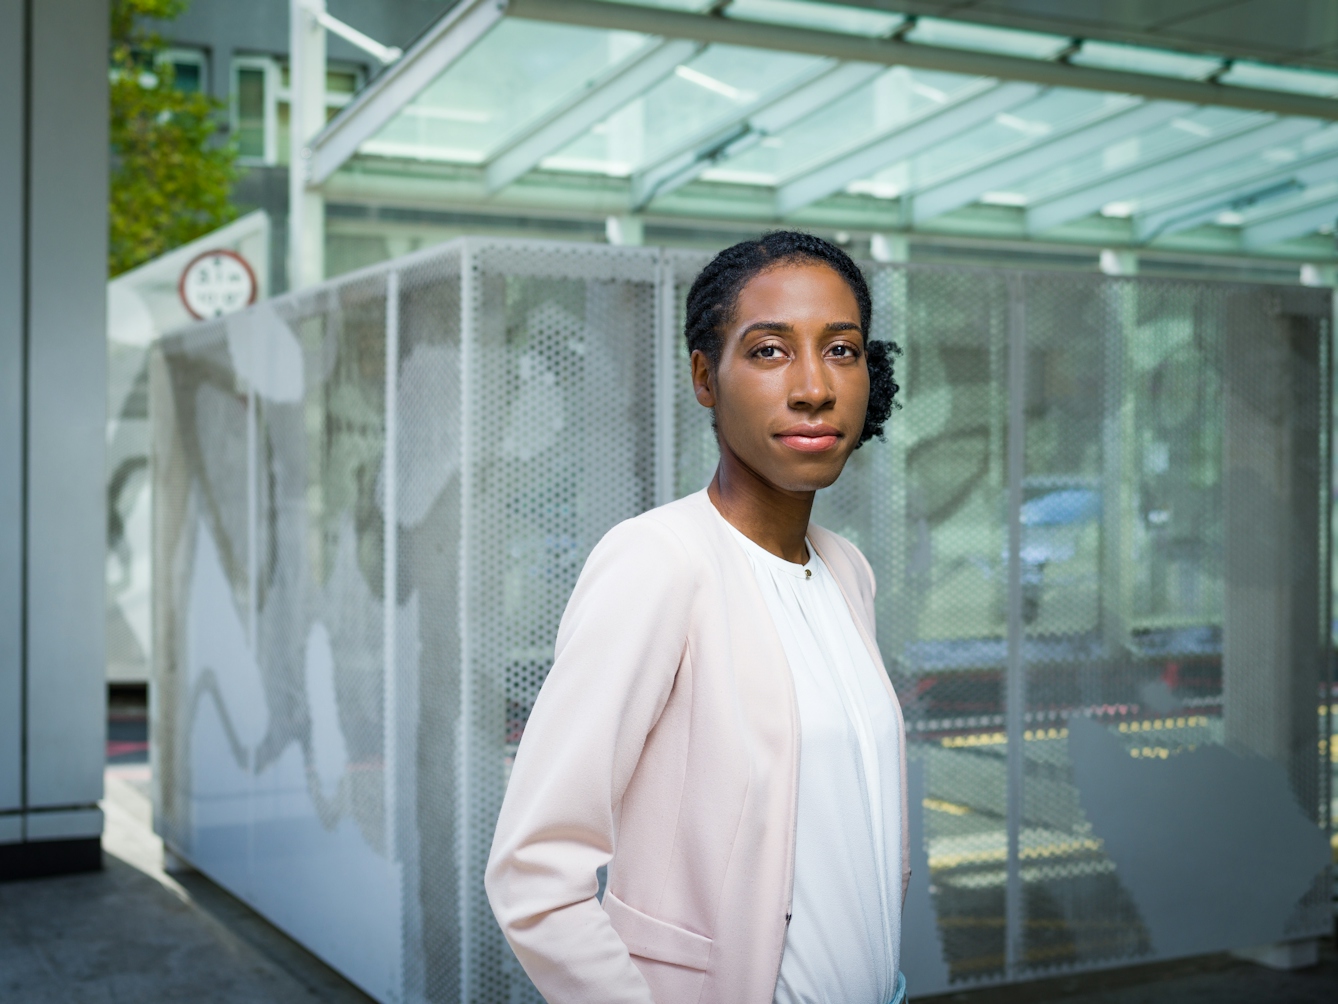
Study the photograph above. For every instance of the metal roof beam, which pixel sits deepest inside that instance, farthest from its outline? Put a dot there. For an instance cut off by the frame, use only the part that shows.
(1269, 182)
(893, 52)
(903, 142)
(1011, 168)
(1294, 223)
(1175, 168)
(380, 101)
(623, 84)
(829, 82)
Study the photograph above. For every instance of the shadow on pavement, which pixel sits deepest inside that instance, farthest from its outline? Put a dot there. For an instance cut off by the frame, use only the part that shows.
(1209, 979)
(134, 933)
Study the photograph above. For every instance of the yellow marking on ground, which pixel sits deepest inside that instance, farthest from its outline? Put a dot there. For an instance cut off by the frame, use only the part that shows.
(1158, 724)
(969, 858)
(1031, 735)
(979, 739)
(1001, 738)
(1055, 849)
(951, 808)
(1060, 849)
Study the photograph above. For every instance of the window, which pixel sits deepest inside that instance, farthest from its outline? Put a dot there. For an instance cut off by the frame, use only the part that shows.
(254, 123)
(188, 68)
(260, 104)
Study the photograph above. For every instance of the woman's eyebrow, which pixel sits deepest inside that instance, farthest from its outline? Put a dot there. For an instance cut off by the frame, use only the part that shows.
(781, 326)
(786, 328)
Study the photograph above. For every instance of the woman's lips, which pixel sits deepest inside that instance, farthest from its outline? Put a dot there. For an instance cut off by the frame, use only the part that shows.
(810, 440)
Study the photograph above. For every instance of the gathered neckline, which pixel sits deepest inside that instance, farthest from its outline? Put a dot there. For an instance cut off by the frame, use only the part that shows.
(773, 561)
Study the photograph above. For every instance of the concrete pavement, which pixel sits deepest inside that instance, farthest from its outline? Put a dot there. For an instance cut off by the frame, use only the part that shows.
(134, 933)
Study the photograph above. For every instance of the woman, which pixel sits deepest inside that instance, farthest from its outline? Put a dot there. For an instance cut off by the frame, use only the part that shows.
(717, 727)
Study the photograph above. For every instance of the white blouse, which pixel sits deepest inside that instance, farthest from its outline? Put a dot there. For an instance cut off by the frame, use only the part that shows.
(844, 938)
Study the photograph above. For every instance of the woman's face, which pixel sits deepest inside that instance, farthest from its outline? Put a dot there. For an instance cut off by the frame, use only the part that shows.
(792, 387)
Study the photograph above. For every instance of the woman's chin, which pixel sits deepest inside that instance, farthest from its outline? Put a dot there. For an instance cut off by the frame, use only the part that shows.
(817, 473)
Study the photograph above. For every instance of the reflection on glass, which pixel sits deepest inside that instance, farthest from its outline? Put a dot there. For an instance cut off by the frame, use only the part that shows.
(716, 87)
(511, 77)
(1051, 113)
(1182, 133)
(892, 99)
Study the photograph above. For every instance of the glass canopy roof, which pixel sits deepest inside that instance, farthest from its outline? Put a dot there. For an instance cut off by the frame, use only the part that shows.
(530, 98)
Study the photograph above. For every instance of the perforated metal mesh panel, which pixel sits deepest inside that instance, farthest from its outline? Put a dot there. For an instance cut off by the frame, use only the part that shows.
(1096, 525)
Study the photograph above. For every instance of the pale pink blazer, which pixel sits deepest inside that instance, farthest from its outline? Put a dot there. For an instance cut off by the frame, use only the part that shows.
(665, 744)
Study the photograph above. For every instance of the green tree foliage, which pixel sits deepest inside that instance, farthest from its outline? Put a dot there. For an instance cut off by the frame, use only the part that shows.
(170, 181)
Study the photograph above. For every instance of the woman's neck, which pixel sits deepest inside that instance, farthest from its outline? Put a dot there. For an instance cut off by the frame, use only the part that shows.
(771, 517)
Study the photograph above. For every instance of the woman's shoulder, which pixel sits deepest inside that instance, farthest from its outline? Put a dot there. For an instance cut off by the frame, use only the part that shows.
(666, 539)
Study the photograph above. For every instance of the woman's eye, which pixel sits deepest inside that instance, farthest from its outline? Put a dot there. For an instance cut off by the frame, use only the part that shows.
(843, 351)
(768, 352)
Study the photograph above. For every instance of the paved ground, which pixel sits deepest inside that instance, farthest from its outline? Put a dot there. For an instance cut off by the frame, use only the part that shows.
(1213, 979)
(135, 934)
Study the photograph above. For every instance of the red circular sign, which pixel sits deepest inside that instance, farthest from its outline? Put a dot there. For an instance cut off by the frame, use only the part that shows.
(217, 283)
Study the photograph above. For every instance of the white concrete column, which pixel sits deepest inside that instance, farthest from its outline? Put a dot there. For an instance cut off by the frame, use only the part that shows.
(890, 247)
(13, 253)
(1119, 262)
(1319, 275)
(625, 231)
(53, 385)
(306, 206)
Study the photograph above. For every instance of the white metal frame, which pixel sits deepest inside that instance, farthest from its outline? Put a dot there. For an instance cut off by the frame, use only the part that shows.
(829, 82)
(624, 83)
(893, 51)
(1293, 223)
(1272, 181)
(676, 36)
(1177, 167)
(953, 193)
(443, 44)
(901, 143)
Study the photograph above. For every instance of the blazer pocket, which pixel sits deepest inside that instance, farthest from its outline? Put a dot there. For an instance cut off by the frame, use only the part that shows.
(654, 939)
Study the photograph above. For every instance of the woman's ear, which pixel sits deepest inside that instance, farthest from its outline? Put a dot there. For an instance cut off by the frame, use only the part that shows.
(703, 379)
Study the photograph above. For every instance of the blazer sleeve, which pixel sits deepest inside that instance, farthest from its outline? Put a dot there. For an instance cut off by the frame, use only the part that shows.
(618, 651)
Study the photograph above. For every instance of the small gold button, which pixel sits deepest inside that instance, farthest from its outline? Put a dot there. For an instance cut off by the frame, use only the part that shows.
(808, 573)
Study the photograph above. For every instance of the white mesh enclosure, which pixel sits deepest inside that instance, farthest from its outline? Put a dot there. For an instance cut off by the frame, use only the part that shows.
(1097, 524)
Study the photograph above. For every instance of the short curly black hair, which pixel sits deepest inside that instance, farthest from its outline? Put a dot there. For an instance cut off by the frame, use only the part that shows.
(715, 292)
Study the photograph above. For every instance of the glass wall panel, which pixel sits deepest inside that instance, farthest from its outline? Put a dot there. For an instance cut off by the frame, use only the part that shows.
(894, 98)
(1180, 134)
(716, 87)
(1096, 525)
(508, 80)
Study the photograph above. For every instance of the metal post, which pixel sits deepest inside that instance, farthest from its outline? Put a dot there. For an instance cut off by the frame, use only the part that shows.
(665, 376)
(1117, 434)
(1327, 735)
(390, 567)
(898, 609)
(252, 517)
(306, 117)
(1015, 683)
(464, 787)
